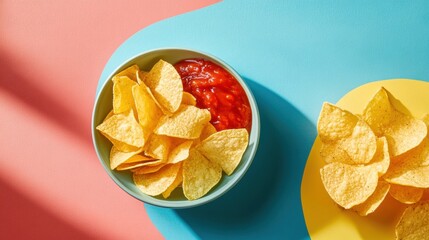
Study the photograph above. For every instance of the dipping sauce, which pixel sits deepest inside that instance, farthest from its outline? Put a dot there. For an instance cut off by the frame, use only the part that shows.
(218, 91)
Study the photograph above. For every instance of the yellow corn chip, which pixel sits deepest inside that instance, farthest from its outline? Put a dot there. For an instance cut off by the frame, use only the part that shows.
(154, 184)
(381, 160)
(344, 133)
(147, 109)
(141, 75)
(335, 123)
(425, 119)
(123, 128)
(349, 185)
(130, 72)
(374, 201)
(175, 184)
(199, 175)
(108, 115)
(158, 147)
(123, 100)
(137, 161)
(225, 148)
(406, 194)
(166, 85)
(414, 222)
(187, 123)
(188, 99)
(208, 130)
(148, 169)
(411, 168)
(118, 157)
(332, 152)
(361, 145)
(402, 131)
(180, 152)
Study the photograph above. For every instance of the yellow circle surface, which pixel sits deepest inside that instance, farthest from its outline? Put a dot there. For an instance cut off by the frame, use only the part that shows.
(323, 217)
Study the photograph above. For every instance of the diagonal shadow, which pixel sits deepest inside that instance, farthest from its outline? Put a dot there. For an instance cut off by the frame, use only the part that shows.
(22, 218)
(28, 92)
(266, 202)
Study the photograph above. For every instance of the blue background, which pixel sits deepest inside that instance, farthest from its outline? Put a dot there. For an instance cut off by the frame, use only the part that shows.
(294, 55)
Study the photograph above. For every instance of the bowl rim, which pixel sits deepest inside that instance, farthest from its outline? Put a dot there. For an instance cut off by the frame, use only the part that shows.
(254, 134)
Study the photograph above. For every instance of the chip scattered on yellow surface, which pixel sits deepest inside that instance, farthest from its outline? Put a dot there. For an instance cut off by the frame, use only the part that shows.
(352, 136)
(414, 222)
(163, 139)
(349, 185)
(411, 168)
(335, 123)
(406, 194)
(403, 132)
(374, 201)
(384, 151)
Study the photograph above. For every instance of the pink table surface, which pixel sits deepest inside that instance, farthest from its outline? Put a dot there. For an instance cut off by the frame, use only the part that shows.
(52, 53)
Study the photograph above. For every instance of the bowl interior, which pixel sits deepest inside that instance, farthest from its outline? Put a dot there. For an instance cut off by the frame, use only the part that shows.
(124, 179)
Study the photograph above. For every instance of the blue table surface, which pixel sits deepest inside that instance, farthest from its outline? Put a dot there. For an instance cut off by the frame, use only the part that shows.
(294, 55)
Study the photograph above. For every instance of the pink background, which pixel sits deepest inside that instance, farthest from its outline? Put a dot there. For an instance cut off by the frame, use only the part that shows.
(51, 56)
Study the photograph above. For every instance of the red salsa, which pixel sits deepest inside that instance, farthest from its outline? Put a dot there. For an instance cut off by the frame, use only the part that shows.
(218, 91)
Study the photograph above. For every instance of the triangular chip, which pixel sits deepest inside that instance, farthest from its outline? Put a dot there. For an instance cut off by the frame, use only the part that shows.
(111, 113)
(414, 222)
(361, 144)
(403, 132)
(349, 185)
(332, 152)
(411, 168)
(118, 157)
(166, 85)
(174, 185)
(141, 75)
(381, 159)
(130, 72)
(225, 148)
(343, 132)
(208, 130)
(180, 152)
(187, 123)
(147, 109)
(154, 184)
(158, 146)
(199, 175)
(374, 201)
(189, 99)
(123, 100)
(335, 123)
(123, 128)
(406, 194)
(137, 161)
(148, 169)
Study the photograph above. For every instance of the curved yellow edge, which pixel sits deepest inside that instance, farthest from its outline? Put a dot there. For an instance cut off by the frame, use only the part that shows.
(326, 220)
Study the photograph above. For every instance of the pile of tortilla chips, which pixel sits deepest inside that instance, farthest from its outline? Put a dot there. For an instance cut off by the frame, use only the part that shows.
(378, 152)
(166, 141)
